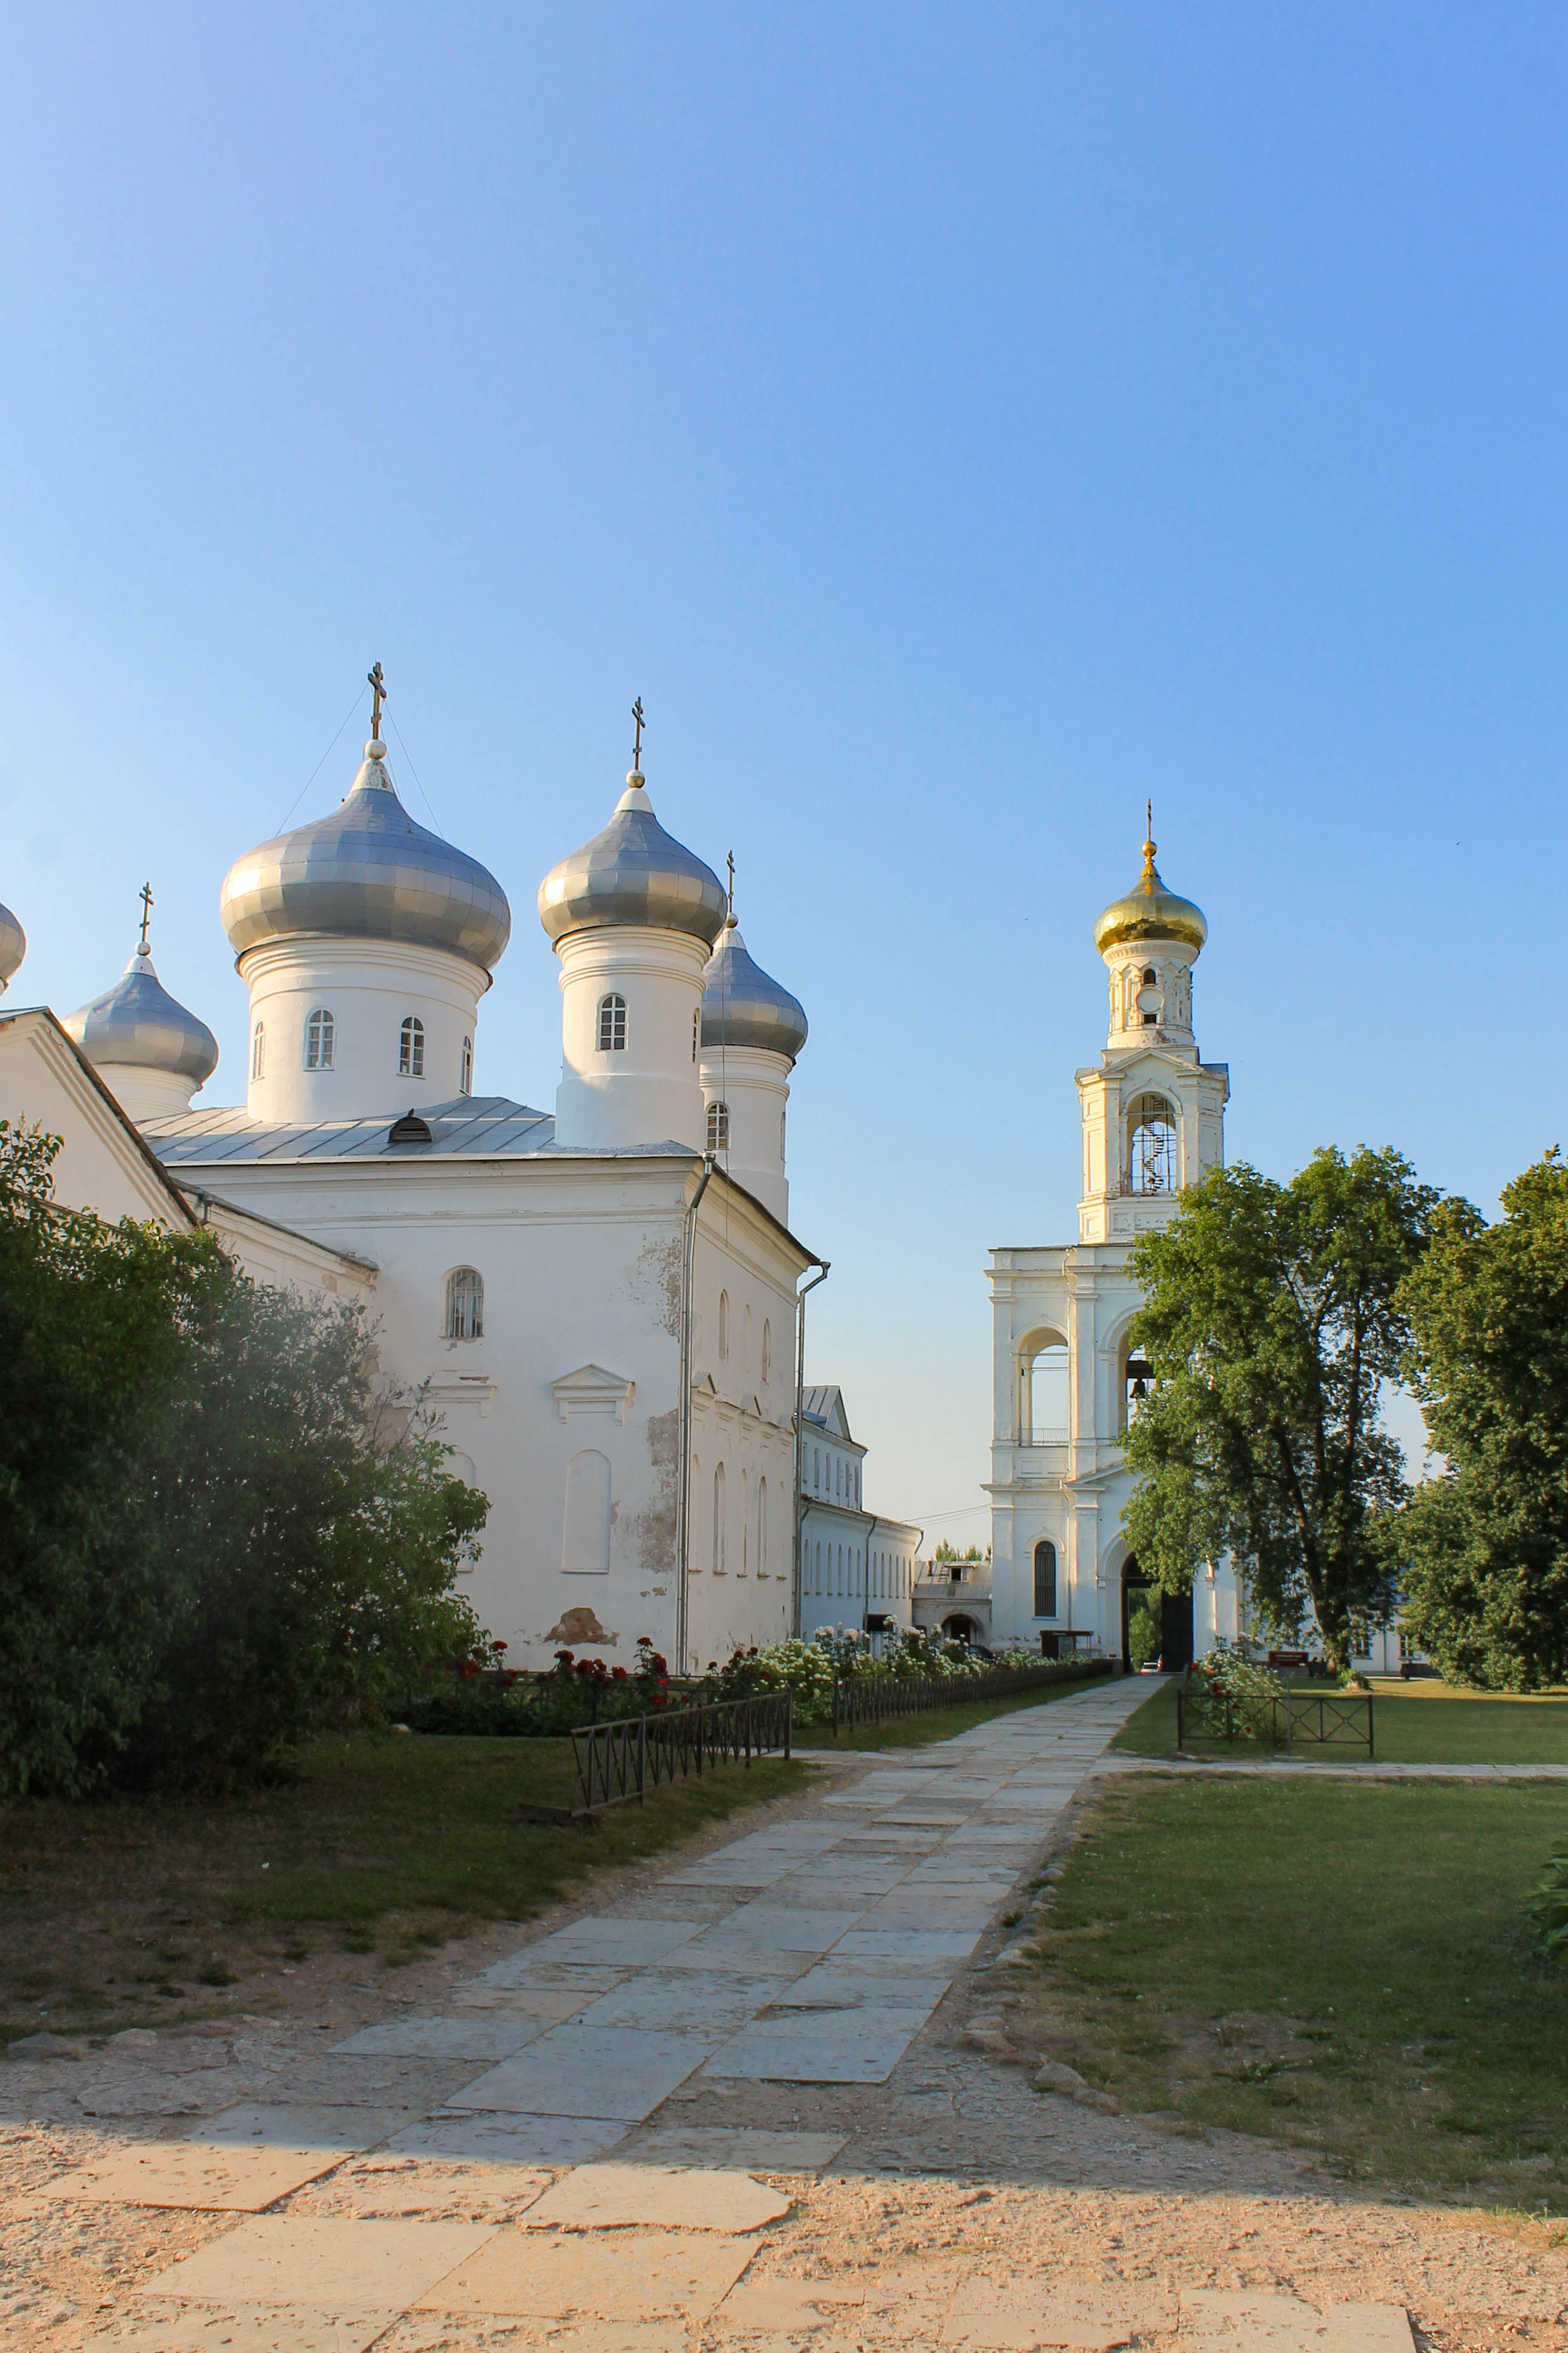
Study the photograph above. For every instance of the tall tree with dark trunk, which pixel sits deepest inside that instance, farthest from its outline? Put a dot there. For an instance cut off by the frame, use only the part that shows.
(1273, 1315)
(1487, 1585)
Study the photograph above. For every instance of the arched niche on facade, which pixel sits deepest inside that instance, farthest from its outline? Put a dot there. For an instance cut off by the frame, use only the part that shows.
(1044, 1394)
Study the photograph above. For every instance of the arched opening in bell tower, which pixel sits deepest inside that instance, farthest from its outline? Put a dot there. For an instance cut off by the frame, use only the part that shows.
(1043, 1389)
(1151, 1146)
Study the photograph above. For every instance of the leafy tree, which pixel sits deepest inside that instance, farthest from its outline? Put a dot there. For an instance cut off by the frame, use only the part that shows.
(214, 1536)
(1485, 1591)
(1272, 1314)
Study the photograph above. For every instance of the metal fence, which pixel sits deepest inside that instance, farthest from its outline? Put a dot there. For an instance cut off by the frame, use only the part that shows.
(1300, 1720)
(626, 1757)
(873, 1699)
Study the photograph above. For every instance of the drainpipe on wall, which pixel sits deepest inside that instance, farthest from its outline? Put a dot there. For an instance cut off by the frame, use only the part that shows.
(800, 1433)
(683, 1485)
(866, 1611)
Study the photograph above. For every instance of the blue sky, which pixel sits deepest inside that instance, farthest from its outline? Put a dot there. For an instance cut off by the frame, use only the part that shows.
(956, 424)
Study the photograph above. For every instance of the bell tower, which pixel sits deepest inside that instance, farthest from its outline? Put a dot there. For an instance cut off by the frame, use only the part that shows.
(1154, 1114)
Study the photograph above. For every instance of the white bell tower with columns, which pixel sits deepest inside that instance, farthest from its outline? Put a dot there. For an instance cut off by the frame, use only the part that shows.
(1153, 1120)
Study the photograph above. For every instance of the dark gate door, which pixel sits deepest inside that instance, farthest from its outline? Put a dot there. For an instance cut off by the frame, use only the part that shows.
(1175, 1622)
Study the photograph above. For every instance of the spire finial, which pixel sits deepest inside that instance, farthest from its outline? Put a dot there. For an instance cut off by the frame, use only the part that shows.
(729, 901)
(378, 696)
(146, 897)
(1148, 838)
(635, 777)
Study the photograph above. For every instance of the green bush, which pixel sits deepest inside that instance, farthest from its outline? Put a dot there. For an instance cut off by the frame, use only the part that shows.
(1549, 1911)
(217, 1536)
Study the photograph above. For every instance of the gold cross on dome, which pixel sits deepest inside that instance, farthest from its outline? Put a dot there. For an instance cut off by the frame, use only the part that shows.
(146, 898)
(636, 742)
(378, 696)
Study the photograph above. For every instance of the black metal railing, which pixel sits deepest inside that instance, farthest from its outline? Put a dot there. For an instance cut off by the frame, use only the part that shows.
(626, 1757)
(1297, 1720)
(873, 1699)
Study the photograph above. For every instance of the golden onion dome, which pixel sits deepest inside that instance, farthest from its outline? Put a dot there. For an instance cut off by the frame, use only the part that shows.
(1150, 911)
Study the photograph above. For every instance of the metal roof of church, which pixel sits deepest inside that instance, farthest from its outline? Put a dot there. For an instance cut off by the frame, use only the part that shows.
(468, 1127)
(825, 1404)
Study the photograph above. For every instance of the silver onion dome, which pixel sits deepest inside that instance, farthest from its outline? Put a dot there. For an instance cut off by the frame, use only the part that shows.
(634, 873)
(12, 947)
(138, 1025)
(742, 1006)
(367, 871)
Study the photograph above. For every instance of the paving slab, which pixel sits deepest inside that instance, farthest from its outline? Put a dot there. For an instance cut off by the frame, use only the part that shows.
(590, 2071)
(152, 2325)
(790, 2307)
(525, 1970)
(194, 2174)
(323, 2261)
(634, 2276)
(1214, 2321)
(1020, 2314)
(604, 1940)
(853, 2046)
(444, 2038)
(510, 2139)
(655, 2197)
(776, 1928)
(396, 2184)
(688, 2000)
(854, 1985)
(302, 2127)
(548, 2002)
(751, 2147)
(896, 1944)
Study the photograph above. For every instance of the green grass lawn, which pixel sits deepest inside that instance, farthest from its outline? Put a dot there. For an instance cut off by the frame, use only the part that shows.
(377, 1844)
(931, 1722)
(1339, 1966)
(1424, 1725)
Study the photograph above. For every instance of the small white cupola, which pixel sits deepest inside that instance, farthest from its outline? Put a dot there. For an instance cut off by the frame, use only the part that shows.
(1153, 1115)
(150, 1053)
(752, 1031)
(631, 916)
(1151, 939)
(366, 943)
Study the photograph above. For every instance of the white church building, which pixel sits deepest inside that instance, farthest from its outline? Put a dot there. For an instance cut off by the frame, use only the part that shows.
(1153, 1118)
(599, 1302)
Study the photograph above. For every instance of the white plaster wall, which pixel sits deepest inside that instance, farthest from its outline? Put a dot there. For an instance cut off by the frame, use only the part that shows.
(145, 1095)
(651, 1090)
(100, 1166)
(369, 987)
(581, 1262)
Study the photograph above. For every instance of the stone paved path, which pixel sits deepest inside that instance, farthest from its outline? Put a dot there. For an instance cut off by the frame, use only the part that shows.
(563, 2154)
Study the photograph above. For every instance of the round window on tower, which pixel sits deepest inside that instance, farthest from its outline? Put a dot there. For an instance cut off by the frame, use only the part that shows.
(1151, 998)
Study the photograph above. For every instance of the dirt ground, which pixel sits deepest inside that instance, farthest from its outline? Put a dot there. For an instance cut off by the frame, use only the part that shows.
(958, 2165)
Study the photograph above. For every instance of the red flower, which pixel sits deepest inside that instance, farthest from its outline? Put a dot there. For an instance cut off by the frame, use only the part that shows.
(619, 1676)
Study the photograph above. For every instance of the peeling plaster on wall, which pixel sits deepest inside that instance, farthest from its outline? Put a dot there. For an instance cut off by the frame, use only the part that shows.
(652, 1532)
(654, 1281)
(580, 1626)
